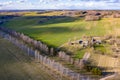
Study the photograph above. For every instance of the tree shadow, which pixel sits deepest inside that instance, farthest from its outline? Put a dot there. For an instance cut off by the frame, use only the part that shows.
(106, 73)
(55, 30)
(45, 20)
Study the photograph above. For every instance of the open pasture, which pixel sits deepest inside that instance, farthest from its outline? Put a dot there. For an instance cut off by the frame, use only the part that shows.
(58, 30)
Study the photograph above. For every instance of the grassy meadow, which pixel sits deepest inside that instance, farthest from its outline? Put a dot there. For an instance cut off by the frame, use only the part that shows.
(57, 31)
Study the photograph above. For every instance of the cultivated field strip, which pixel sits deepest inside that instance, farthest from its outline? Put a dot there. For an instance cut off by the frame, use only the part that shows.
(15, 65)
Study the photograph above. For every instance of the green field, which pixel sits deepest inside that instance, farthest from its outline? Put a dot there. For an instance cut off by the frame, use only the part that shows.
(16, 65)
(58, 31)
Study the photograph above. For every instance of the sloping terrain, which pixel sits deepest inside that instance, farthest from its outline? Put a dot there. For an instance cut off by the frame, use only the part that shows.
(16, 65)
(56, 31)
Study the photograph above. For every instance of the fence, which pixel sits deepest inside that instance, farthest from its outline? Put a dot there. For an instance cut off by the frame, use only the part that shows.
(36, 53)
(43, 47)
(76, 62)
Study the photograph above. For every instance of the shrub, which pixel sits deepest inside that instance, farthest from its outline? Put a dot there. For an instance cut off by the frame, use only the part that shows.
(88, 68)
(96, 71)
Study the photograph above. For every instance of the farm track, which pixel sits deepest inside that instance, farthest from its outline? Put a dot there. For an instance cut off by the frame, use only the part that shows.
(16, 65)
